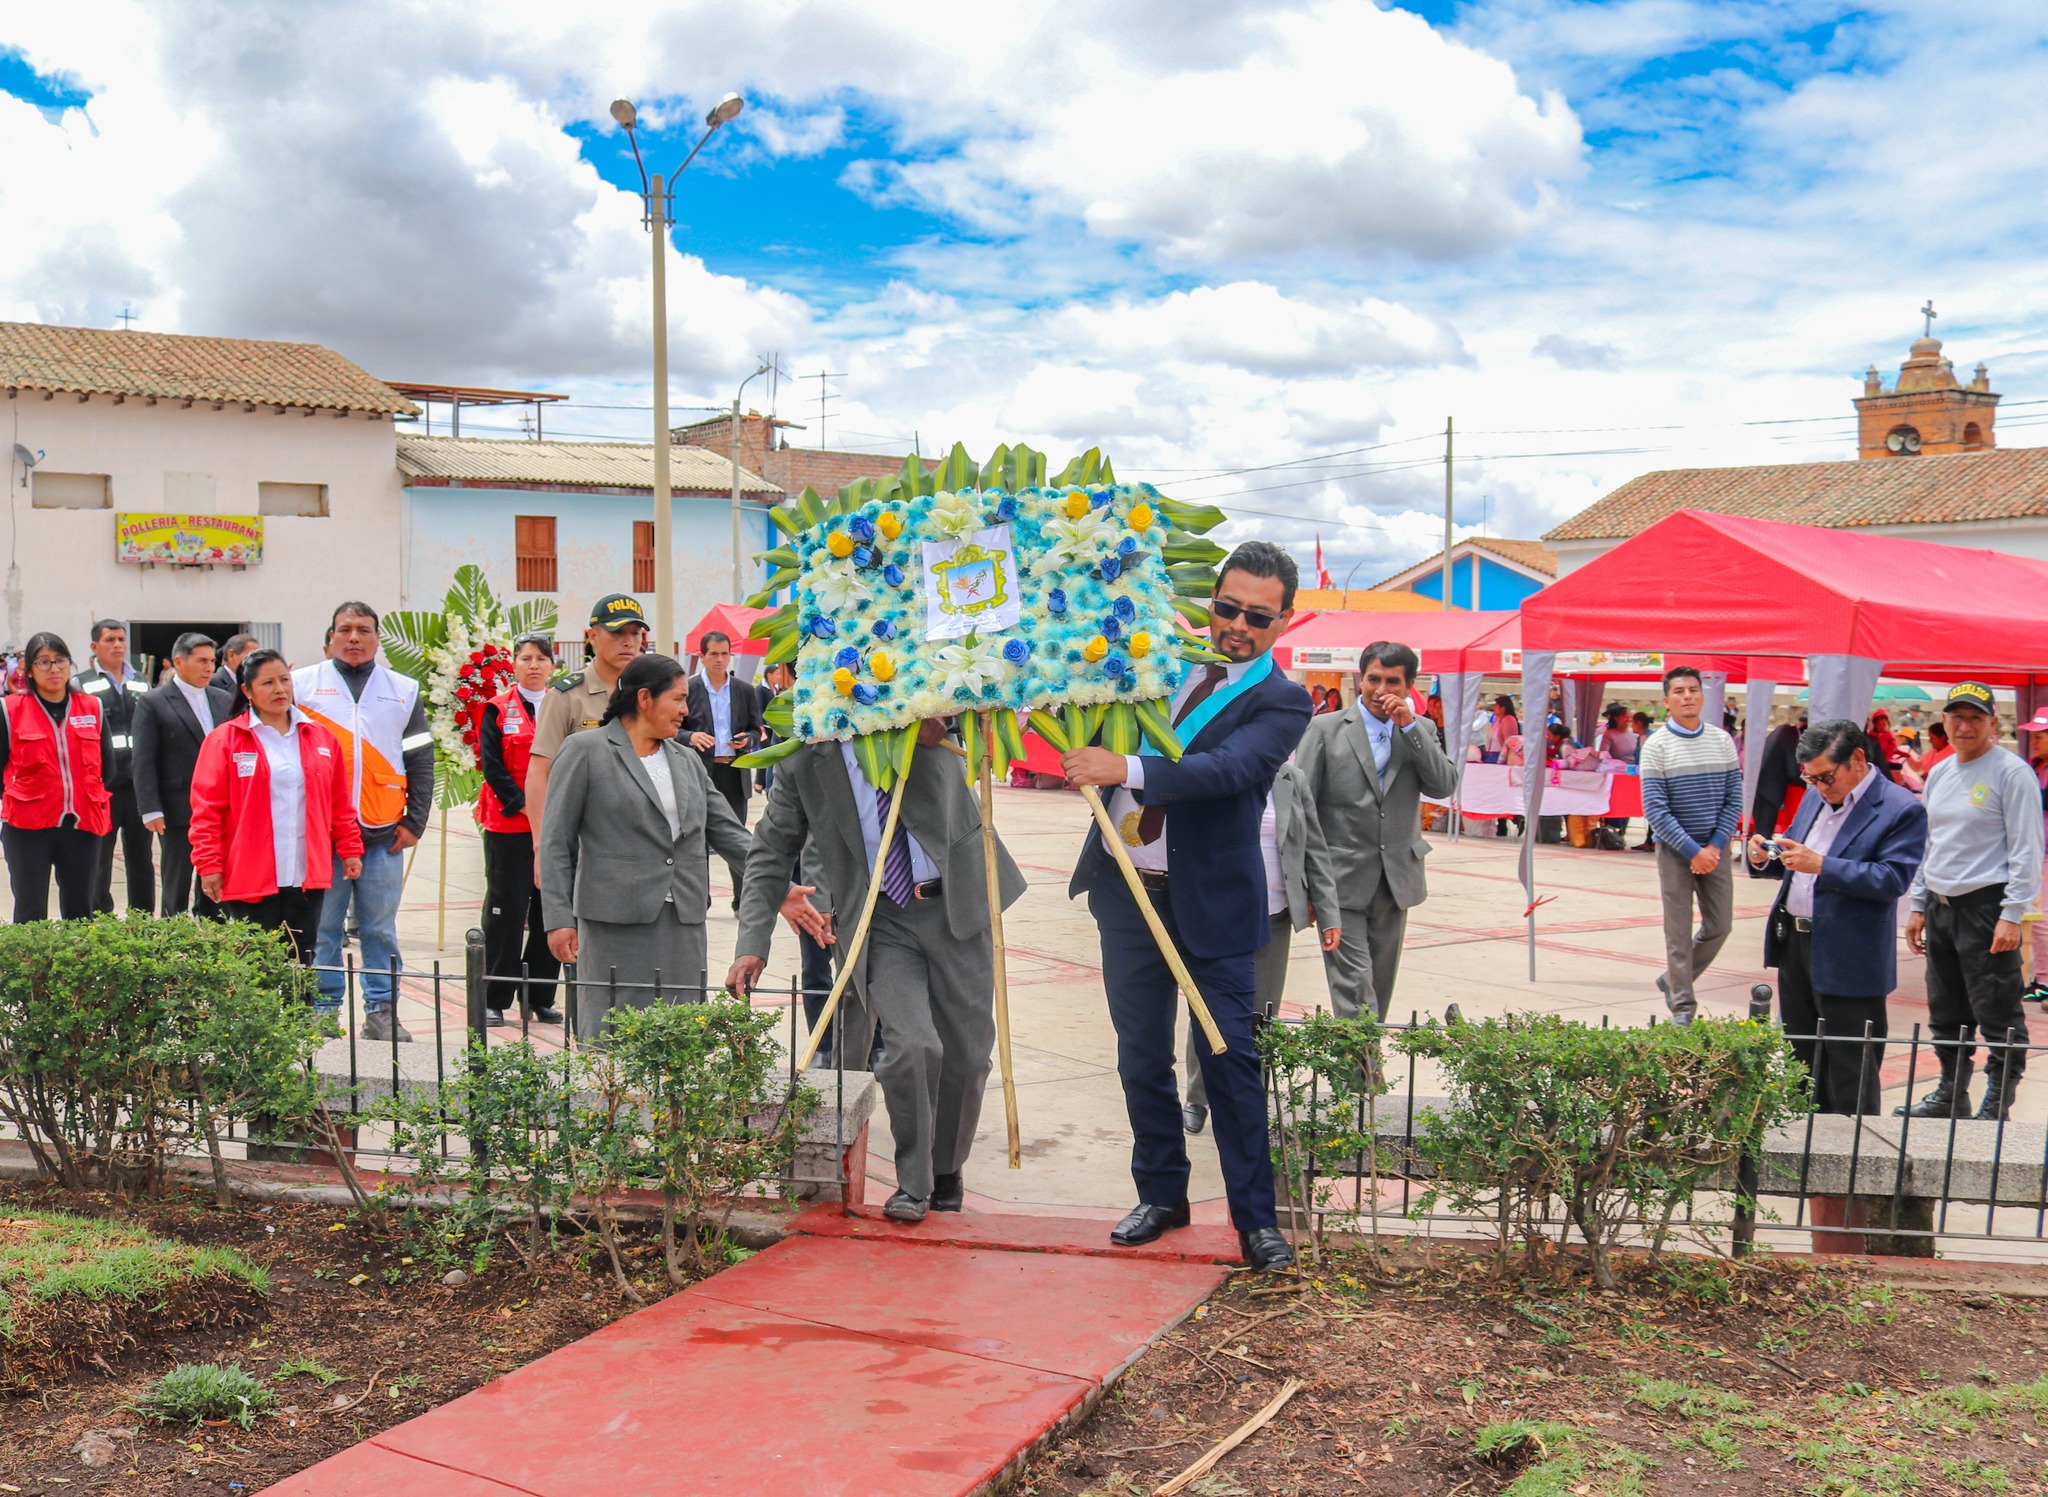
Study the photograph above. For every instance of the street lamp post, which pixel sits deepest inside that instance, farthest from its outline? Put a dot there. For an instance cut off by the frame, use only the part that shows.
(657, 197)
(738, 588)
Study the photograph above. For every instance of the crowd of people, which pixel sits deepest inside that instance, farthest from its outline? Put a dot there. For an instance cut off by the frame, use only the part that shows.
(289, 795)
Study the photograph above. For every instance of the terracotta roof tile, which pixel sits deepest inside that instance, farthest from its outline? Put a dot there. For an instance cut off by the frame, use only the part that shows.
(2006, 484)
(615, 465)
(173, 366)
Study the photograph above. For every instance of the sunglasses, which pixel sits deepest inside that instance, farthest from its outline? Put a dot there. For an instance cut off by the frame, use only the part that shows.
(1820, 781)
(1252, 616)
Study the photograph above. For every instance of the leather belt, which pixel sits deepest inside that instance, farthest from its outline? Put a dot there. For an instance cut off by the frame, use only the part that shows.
(1155, 883)
(931, 888)
(1803, 924)
(727, 759)
(1989, 894)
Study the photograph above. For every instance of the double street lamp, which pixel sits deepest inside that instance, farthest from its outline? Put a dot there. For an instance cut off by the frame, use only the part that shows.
(657, 197)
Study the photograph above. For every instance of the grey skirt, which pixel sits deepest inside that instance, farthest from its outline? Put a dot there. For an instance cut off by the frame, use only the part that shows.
(664, 947)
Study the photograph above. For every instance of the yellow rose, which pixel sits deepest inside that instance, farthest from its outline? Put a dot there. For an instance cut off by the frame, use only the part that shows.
(1141, 517)
(890, 524)
(880, 666)
(842, 681)
(1141, 643)
(1095, 649)
(1077, 505)
(839, 543)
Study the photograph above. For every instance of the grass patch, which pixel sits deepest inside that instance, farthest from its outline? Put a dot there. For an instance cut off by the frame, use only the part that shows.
(194, 1392)
(71, 1286)
(1555, 1460)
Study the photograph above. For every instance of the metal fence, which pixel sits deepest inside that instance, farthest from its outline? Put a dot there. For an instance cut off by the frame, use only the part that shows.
(1899, 1183)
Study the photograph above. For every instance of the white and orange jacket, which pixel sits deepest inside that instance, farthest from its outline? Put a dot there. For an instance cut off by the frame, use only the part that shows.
(384, 740)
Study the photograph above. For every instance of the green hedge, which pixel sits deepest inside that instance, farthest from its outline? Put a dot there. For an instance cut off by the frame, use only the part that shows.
(124, 1042)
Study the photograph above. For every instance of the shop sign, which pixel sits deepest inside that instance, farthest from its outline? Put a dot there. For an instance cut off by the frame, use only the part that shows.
(188, 540)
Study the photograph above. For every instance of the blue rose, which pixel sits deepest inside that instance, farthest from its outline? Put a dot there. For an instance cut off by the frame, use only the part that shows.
(1112, 629)
(1007, 510)
(1100, 497)
(863, 556)
(823, 627)
(1016, 652)
(865, 694)
(1111, 568)
(1124, 609)
(1114, 667)
(884, 629)
(893, 575)
(862, 527)
(1128, 546)
(1056, 600)
(847, 659)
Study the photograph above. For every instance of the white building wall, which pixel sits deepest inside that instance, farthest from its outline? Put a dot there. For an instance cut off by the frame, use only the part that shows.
(168, 458)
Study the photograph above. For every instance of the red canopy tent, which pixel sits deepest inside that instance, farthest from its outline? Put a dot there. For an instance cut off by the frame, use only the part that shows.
(732, 619)
(1447, 641)
(1700, 582)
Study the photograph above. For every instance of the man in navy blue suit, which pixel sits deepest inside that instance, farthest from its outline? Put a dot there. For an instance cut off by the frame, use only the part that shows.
(1192, 829)
(1847, 860)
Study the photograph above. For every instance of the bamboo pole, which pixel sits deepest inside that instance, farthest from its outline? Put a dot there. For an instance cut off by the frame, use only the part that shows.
(1115, 844)
(995, 923)
(441, 891)
(860, 931)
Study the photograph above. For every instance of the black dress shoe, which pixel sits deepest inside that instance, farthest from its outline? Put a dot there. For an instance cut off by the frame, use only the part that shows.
(494, 1018)
(948, 1192)
(1194, 1117)
(1265, 1250)
(547, 1016)
(1143, 1224)
(904, 1207)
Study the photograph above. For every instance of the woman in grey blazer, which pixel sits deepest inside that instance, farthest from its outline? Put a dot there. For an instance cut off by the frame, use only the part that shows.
(624, 875)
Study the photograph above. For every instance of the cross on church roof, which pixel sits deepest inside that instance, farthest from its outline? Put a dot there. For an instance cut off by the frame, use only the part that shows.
(1930, 314)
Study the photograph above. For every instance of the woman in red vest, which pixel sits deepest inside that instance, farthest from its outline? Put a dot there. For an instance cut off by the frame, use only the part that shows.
(272, 807)
(53, 804)
(514, 936)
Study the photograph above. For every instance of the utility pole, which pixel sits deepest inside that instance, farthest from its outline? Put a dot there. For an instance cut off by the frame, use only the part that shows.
(664, 508)
(1446, 572)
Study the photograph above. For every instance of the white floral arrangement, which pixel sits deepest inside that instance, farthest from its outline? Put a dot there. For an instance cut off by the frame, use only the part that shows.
(1081, 586)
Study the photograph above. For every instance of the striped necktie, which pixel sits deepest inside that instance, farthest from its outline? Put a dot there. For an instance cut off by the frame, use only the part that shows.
(896, 880)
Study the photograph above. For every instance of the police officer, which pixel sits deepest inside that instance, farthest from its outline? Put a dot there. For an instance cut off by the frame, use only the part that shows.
(617, 633)
(115, 687)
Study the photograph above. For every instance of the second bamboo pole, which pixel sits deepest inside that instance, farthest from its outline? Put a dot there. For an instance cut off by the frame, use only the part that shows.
(995, 923)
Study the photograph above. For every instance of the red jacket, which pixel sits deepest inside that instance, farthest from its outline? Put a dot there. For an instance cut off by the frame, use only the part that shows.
(511, 725)
(52, 773)
(231, 831)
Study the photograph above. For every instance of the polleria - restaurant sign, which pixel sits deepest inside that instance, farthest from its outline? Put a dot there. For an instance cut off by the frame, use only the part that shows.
(188, 540)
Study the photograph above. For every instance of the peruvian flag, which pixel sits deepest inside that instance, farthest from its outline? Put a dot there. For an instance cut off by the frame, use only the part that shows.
(1322, 572)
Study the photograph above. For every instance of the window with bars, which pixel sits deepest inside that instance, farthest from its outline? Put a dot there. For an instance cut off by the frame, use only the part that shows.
(643, 556)
(534, 553)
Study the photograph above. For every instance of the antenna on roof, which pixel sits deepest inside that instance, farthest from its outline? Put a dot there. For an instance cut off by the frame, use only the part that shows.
(127, 318)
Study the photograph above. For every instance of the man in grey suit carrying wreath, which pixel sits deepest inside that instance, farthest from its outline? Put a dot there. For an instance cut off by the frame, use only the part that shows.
(1367, 771)
(927, 972)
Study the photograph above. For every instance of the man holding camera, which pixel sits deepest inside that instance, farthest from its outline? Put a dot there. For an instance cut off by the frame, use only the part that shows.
(1848, 859)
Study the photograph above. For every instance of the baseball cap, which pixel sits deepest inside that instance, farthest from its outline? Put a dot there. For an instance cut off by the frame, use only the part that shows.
(1973, 694)
(2038, 725)
(614, 611)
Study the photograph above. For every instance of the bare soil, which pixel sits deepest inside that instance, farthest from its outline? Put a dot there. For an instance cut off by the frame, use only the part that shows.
(342, 1297)
(1426, 1378)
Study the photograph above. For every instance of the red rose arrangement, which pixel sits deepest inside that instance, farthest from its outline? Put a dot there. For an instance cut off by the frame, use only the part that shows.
(479, 680)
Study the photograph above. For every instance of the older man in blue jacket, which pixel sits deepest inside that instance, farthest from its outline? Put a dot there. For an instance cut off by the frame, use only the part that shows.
(1848, 859)
(1192, 830)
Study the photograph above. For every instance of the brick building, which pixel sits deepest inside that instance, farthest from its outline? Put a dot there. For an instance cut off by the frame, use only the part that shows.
(764, 450)
(1928, 466)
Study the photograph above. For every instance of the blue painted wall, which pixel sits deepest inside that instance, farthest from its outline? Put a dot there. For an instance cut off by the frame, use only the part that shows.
(447, 527)
(1499, 586)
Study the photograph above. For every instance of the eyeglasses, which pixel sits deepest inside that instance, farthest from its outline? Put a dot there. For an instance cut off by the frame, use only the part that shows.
(50, 663)
(1252, 616)
(1821, 781)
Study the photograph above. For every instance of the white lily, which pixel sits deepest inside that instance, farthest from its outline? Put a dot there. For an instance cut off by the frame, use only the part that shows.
(837, 586)
(970, 665)
(954, 515)
(1080, 540)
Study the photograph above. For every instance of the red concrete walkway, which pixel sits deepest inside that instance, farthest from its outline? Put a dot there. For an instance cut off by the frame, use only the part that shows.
(855, 1357)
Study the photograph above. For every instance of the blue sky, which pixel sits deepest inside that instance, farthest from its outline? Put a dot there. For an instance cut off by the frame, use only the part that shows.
(1606, 237)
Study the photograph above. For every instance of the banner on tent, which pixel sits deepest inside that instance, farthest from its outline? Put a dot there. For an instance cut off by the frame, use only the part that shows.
(1578, 662)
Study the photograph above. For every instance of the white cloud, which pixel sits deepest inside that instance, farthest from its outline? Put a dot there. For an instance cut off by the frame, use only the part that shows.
(1251, 325)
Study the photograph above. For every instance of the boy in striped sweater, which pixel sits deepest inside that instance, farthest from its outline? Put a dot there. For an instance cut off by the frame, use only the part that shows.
(1692, 797)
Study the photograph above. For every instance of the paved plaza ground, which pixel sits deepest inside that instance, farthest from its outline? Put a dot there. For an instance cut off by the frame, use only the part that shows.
(1598, 952)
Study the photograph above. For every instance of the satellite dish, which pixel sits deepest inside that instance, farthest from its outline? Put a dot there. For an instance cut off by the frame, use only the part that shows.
(26, 458)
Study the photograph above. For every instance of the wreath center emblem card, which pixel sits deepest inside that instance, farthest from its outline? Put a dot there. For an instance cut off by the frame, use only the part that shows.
(970, 585)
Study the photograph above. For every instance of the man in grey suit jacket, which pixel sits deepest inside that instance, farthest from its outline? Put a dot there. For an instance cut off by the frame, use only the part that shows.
(1367, 771)
(927, 972)
(1302, 887)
